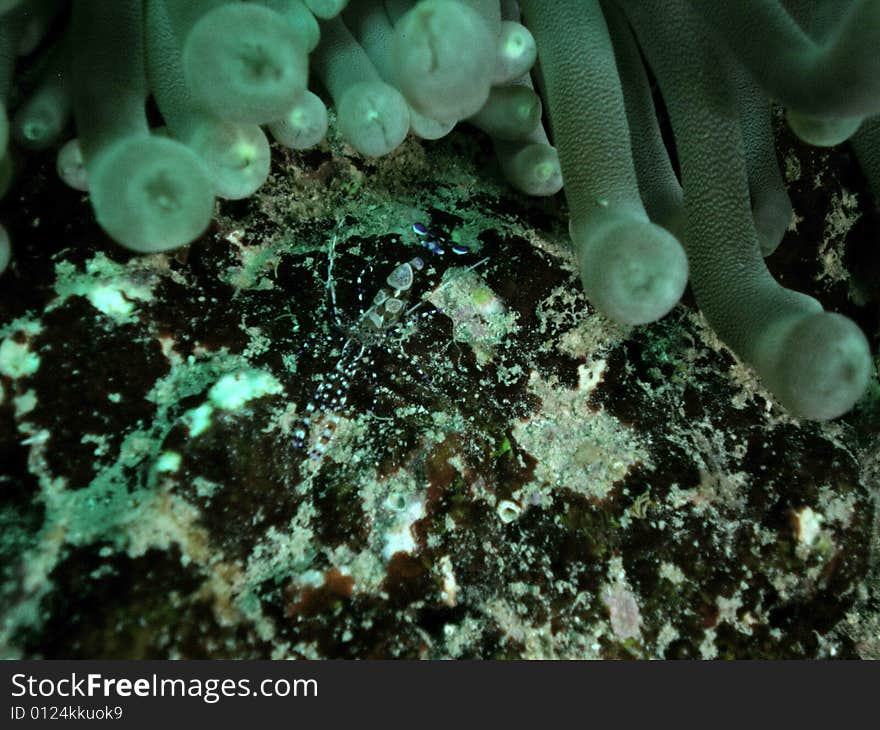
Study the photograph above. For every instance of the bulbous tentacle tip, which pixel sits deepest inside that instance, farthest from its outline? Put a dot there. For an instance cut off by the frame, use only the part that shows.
(326, 9)
(517, 53)
(237, 156)
(824, 367)
(531, 168)
(822, 131)
(443, 58)
(71, 167)
(304, 125)
(425, 128)
(243, 63)
(151, 193)
(373, 118)
(633, 271)
(38, 123)
(772, 214)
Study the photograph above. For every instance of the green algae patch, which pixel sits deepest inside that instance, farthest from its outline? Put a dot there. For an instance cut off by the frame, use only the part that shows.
(17, 360)
(232, 391)
(111, 288)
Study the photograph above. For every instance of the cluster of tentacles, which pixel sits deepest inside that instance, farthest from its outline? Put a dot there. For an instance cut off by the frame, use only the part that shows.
(644, 220)
(718, 66)
(217, 72)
